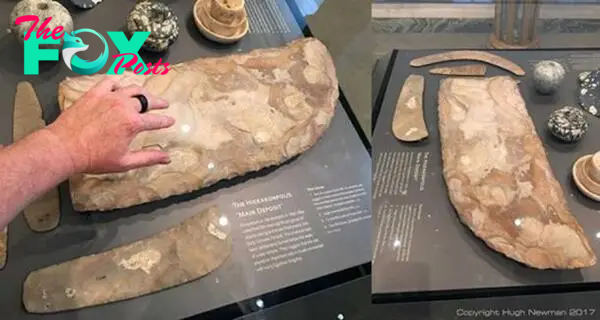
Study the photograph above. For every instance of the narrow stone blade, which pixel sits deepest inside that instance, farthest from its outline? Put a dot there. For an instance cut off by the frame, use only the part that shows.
(175, 256)
(27, 112)
(3, 247)
(475, 70)
(44, 213)
(469, 55)
(408, 124)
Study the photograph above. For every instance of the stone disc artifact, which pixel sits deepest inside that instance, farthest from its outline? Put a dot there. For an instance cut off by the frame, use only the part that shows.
(586, 175)
(181, 254)
(43, 214)
(234, 115)
(469, 55)
(499, 178)
(475, 70)
(223, 21)
(408, 124)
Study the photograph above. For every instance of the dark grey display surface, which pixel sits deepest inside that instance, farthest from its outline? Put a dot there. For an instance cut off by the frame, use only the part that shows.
(310, 189)
(421, 249)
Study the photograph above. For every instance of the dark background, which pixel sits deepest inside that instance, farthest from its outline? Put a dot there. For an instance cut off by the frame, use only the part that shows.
(386, 91)
(340, 158)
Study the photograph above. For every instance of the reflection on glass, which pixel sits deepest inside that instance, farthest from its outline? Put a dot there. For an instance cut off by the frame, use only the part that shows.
(223, 221)
(518, 222)
(260, 303)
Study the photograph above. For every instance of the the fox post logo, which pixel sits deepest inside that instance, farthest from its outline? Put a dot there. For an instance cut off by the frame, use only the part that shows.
(128, 56)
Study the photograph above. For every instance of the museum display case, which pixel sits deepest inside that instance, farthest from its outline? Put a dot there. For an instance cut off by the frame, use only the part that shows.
(267, 199)
(484, 174)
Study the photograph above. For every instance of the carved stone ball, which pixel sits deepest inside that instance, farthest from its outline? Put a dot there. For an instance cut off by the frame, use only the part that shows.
(548, 75)
(43, 9)
(568, 124)
(157, 18)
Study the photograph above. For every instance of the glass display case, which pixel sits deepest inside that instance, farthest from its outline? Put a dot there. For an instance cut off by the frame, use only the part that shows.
(293, 229)
(430, 250)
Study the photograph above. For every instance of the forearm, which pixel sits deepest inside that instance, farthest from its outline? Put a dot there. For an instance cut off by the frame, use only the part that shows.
(28, 169)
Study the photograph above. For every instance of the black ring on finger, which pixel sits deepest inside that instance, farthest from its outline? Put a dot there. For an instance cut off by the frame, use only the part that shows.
(143, 101)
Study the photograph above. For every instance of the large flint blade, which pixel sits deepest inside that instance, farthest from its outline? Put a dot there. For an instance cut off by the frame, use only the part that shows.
(172, 257)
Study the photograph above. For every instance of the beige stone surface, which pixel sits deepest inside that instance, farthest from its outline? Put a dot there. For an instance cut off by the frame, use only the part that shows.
(234, 115)
(183, 253)
(499, 178)
(476, 70)
(469, 55)
(43, 214)
(408, 124)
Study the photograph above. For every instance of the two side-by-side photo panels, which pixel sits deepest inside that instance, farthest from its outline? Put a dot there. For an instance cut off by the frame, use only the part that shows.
(300, 159)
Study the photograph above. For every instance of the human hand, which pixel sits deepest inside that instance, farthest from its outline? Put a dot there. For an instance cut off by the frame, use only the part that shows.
(97, 129)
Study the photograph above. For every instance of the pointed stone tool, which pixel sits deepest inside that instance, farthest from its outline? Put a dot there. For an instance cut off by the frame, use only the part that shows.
(474, 70)
(42, 214)
(184, 253)
(408, 124)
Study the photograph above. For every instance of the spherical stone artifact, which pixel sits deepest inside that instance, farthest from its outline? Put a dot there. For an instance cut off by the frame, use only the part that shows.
(85, 4)
(548, 75)
(157, 18)
(43, 9)
(568, 124)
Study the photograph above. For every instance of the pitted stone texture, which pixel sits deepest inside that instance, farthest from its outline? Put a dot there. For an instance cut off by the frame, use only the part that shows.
(589, 92)
(43, 9)
(234, 115)
(567, 124)
(499, 179)
(158, 19)
(548, 75)
(183, 253)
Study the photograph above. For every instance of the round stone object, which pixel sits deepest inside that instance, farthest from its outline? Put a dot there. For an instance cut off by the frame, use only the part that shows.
(86, 4)
(43, 9)
(589, 92)
(548, 75)
(157, 18)
(568, 124)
